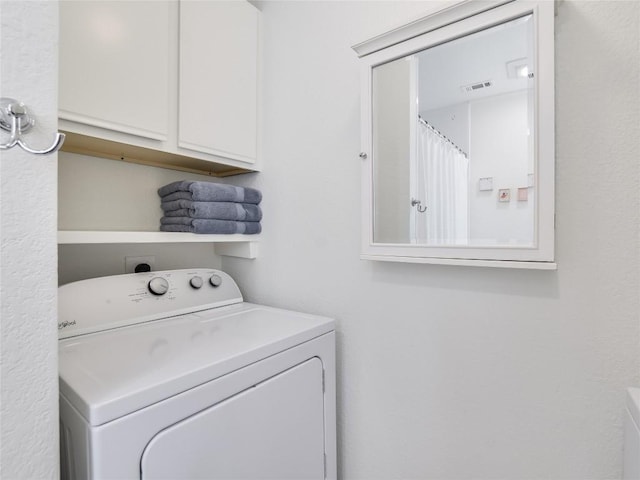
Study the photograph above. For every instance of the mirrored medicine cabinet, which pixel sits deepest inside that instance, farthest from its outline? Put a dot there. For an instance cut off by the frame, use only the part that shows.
(458, 137)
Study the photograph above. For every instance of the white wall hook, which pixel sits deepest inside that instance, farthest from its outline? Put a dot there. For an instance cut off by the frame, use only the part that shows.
(15, 118)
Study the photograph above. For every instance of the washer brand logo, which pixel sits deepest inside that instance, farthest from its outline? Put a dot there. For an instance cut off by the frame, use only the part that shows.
(65, 324)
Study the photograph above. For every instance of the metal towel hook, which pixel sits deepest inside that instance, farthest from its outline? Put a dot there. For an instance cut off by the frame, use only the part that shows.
(418, 204)
(15, 118)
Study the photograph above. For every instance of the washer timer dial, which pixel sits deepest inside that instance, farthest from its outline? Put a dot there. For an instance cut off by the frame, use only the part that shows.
(158, 286)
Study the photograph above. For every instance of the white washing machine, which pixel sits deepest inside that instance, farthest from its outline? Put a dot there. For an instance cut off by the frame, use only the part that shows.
(632, 435)
(172, 375)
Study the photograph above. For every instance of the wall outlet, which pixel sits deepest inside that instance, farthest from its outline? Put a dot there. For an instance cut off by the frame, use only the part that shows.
(130, 263)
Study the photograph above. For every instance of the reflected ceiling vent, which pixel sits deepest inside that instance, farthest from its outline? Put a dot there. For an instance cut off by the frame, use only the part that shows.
(476, 86)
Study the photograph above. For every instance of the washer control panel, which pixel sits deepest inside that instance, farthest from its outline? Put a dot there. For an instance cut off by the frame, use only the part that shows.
(103, 303)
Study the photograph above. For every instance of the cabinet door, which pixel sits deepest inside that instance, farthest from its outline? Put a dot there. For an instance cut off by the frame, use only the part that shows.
(218, 78)
(114, 65)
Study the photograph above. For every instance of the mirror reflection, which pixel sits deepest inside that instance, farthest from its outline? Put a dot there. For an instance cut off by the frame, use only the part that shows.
(453, 142)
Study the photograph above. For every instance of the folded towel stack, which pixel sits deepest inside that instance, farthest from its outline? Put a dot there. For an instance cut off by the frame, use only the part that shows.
(207, 207)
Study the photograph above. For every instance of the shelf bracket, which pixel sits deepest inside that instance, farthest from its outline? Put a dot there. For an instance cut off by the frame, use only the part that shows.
(239, 250)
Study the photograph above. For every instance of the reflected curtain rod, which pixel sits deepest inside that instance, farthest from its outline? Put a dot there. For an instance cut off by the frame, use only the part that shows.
(440, 134)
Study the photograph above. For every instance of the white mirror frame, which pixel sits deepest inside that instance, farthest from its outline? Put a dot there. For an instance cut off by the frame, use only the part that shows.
(456, 21)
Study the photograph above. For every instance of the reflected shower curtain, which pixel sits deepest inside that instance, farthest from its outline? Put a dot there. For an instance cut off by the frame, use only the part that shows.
(443, 187)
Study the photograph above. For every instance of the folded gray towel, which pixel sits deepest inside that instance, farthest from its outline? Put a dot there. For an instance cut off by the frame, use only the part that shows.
(182, 212)
(176, 220)
(247, 212)
(227, 227)
(209, 192)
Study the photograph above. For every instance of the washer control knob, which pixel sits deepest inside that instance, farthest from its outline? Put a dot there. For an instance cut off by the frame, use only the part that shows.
(215, 280)
(158, 286)
(196, 282)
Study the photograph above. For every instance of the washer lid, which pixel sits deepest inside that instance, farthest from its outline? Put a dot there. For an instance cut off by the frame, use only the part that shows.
(109, 374)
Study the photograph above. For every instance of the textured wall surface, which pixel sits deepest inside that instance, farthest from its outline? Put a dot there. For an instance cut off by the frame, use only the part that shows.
(28, 330)
(458, 372)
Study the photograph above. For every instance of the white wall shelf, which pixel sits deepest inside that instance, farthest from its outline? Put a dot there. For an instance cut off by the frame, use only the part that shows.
(243, 246)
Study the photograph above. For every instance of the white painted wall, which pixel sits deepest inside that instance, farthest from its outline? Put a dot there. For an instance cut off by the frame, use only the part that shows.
(458, 372)
(28, 333)
(499, 149)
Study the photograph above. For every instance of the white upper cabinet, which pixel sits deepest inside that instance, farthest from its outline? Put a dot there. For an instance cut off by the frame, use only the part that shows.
(164, 83)
(219, 78)
(114, 66)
